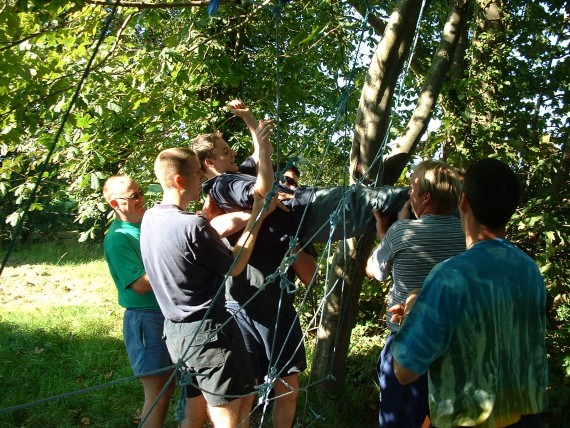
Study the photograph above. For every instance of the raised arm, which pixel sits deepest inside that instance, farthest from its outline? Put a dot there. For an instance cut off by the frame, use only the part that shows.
(264, 180)
(262, 148)
(243, 248)
(241, 110)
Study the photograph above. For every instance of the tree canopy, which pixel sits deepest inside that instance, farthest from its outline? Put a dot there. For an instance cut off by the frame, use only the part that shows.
(162, 72)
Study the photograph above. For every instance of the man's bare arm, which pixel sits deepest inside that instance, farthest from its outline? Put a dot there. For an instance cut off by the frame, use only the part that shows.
(244, 247)
(262, 149)
(141, 285)
(241, 110)
(264, 180)
(229, 223)
(305, 267)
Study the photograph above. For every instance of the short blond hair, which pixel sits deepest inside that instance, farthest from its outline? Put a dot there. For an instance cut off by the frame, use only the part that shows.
(111, 186)
(441, 181)
(171, 162)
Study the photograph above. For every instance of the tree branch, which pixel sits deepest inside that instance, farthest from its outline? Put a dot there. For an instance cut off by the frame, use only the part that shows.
(117, 38)
(229, 30)
(143, 5)
(456, 21)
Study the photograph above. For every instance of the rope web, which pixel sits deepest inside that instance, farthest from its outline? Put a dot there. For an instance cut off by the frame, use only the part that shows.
(280, 276)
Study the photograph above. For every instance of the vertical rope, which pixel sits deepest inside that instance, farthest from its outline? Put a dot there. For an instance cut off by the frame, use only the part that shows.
(18, 229)
(277, 11)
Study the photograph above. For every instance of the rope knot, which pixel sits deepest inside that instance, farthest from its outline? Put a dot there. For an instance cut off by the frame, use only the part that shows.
(265, 388)
(287, 285)
(334, 219)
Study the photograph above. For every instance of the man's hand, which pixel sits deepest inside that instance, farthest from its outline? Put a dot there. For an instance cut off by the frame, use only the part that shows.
(399, 311)
(263, 134)
(382, 224)
(210, 209)
(282, 196)
(239, 108)
(405, 212)
(259, 202)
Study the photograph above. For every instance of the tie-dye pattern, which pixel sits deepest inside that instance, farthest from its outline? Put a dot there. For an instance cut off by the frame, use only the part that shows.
(479, 326)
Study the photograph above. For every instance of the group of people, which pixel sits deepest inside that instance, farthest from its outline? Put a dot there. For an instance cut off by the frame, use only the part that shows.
(230, 324)
(466, 311)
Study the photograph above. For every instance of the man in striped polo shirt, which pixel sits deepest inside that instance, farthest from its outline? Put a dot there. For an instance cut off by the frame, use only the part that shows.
(408, 250)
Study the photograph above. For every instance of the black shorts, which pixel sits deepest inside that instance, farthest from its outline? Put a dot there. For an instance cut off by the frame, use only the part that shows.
(216, 359)
(287, 355)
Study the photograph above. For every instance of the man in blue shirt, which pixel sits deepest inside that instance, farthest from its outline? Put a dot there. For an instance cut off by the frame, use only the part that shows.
(478, 325)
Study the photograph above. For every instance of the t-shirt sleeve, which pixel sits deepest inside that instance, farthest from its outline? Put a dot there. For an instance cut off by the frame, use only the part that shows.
(383, 258)
(249, 167)
(427, 332)
(123, 255)
(233, 192)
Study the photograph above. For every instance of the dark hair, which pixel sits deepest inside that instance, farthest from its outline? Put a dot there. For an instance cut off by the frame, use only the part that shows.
(283, 166)
(493, 190)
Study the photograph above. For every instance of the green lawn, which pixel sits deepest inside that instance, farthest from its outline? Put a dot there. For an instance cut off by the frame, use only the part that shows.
(60, 334)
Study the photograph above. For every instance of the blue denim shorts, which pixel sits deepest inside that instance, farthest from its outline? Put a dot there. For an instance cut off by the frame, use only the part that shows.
(143, 336)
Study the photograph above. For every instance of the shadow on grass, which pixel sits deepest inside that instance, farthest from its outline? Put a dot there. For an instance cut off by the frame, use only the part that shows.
(53, 253)
(37, 365)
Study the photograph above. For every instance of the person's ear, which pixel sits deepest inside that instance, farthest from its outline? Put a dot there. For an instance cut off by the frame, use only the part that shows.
(114, 204)
(208, 163)
(178, 181)
(426, 198)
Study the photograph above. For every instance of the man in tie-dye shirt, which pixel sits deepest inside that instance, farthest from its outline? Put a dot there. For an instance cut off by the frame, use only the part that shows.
(478, 324)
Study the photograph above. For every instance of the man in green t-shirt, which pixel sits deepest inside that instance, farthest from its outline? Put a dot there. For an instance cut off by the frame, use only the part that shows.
(143, 322)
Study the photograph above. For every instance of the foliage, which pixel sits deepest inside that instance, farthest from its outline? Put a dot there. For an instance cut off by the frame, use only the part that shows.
(161, 76)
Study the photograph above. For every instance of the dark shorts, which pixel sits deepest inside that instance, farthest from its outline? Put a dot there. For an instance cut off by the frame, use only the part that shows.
(400, 405)
(146, 348)
(216, 358)
(287, 355)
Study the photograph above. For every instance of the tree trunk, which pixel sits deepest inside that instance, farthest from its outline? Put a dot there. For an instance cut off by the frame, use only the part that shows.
(560, 181)
(345, 283)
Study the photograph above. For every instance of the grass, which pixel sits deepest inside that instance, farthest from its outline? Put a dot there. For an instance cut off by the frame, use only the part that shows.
(61, 333)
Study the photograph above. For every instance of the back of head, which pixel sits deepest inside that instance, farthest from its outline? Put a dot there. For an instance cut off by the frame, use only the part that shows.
(442, 182)
(114, 185)
(171, 162)
(493, 191)
(203, 145)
